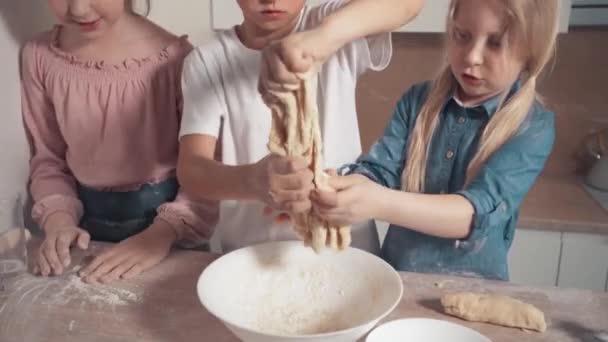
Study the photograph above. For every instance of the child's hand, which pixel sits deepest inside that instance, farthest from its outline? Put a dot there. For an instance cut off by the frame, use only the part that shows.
(132, 256)
(296, 54)
(354, 200)
(283, 183)
(54, 252)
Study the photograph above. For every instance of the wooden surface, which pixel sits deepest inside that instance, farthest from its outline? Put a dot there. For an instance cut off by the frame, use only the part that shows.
(162, 305)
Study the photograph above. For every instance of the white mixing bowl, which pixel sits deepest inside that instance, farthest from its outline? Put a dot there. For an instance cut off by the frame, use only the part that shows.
(284, 292)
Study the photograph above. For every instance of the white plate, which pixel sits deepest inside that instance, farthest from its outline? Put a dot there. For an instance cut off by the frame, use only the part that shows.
(422, 330)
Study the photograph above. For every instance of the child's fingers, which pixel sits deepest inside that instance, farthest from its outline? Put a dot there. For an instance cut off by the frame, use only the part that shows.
(64, 241)
(282, 198)
(341, 183)
(324, 199)
(301, 181)
(290, 165)
(118, 271)
(133, 272)
(332, 216)
(43, 265)
(301, 64)
(96, 263)
(106, 267)
(83, 240)
(276, 71)
(298, 207)
(50, 253)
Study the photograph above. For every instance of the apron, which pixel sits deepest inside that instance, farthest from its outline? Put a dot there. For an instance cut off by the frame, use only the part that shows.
(114, 216)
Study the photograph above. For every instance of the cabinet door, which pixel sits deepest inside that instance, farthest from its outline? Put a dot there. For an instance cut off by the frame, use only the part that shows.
(584, 261)
(534, 257)
(589, 13)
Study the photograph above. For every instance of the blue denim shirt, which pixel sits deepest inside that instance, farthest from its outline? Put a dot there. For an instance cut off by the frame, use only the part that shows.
(495, 193)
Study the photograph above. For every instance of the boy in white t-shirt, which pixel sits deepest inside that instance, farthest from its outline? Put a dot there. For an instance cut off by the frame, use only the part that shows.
(222, 104)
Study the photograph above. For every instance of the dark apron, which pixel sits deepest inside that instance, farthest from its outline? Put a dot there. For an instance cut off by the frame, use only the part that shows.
(114, 216)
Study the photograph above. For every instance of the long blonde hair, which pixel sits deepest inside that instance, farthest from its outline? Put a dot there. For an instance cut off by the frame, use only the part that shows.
(534, 24)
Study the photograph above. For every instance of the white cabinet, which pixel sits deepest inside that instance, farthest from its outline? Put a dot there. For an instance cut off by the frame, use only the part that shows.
(547, 258)
(226, 14)
(534, 257)
(569, 260)
(584, 261)
(589, 12)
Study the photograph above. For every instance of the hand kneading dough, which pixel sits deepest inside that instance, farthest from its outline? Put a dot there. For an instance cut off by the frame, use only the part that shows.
(494, 309)
(295, 132)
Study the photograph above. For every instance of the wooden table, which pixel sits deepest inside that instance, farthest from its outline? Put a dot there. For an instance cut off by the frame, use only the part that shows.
(162, 305)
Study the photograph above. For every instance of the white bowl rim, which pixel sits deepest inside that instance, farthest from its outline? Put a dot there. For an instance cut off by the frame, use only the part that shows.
(312, 336)
(411, 319)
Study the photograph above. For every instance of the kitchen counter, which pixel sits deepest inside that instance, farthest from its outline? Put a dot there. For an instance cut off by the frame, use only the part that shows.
(561, 204)
(162, 305)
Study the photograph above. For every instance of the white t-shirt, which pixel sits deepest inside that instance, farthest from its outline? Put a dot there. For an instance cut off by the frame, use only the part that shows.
(221, 99)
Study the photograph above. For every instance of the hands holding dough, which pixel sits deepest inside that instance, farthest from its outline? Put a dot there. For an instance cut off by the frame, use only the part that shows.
(295, 132)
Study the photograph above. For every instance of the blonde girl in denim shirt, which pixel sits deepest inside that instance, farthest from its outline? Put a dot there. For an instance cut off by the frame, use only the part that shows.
(461, 152)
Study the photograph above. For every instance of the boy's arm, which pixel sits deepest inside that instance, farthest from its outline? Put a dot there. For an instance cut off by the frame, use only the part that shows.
(202, 176)
(279, 182)
(301, 51)
(283, 183)
(362, 18)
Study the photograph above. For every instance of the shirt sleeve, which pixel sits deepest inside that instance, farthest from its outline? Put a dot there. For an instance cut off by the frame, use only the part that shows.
(386, 159)
(373, 52)
(193, 221)
(52, 185)
(497, 191)
(203, 105)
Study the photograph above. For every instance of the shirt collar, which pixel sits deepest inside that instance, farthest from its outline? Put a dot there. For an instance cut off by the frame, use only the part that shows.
(491, 105)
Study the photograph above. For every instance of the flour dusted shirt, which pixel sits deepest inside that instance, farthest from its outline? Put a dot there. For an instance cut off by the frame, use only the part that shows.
(220, 96)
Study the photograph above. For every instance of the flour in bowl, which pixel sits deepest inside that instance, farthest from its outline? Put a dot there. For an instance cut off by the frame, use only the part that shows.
(306, 299)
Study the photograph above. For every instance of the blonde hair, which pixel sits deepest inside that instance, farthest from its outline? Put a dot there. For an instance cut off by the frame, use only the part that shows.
(534, 25)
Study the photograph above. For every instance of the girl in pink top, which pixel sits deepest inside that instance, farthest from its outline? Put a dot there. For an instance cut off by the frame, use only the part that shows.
(102, 105)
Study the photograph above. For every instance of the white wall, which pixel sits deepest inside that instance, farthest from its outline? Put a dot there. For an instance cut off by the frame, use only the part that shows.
(191, 17)
(20, 20)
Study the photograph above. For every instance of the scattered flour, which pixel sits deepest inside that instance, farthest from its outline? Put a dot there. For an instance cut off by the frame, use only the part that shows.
(75, 289)
(70, 288)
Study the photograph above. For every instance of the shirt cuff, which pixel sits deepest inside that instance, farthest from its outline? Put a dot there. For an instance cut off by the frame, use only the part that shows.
(51, 204)
(193, 222)
(484, 219)
(351, 169)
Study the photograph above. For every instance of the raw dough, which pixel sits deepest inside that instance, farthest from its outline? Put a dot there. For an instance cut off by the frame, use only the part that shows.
(495, 309)
(295, 132)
